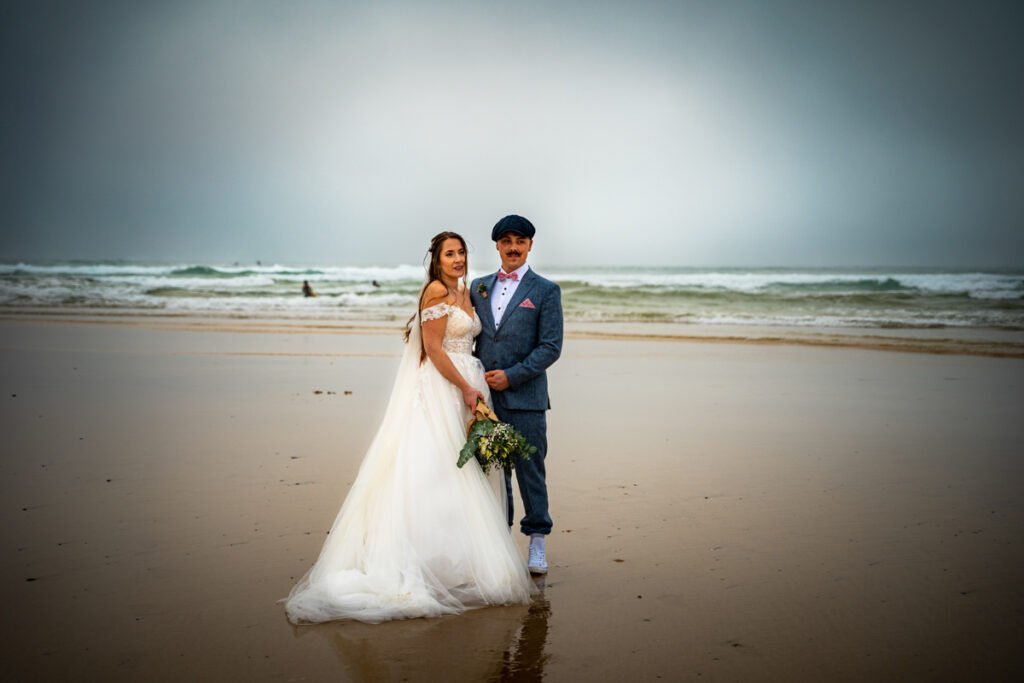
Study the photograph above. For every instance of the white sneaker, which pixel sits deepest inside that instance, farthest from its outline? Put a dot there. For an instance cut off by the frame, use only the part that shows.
(538, 563)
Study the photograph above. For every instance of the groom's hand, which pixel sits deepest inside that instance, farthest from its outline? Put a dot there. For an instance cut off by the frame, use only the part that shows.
(496, 380)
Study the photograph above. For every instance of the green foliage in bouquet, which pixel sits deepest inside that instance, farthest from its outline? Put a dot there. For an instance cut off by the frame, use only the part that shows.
(492, 442)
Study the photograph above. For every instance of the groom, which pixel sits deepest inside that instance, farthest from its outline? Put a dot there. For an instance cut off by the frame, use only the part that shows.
(521, 314)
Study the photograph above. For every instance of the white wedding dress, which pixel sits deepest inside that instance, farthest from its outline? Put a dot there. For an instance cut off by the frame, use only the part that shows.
(418, 536)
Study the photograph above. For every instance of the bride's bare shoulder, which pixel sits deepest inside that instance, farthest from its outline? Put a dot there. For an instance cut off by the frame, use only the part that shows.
(433, 294)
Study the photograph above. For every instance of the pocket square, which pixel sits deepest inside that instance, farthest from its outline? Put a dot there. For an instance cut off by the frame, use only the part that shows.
(527, 304)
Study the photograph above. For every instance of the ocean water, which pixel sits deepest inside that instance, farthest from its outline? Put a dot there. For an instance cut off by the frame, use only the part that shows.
(811, 297)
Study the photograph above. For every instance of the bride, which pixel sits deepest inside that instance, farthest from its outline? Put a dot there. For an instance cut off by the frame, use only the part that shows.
(418, 536)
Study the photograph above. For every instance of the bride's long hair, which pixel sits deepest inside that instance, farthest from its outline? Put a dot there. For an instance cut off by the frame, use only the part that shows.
(434, 273)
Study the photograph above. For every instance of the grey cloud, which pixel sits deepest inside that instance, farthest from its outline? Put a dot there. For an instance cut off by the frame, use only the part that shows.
(710, 133)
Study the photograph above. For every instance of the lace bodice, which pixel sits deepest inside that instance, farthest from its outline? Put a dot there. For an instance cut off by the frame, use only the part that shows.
(461, 328)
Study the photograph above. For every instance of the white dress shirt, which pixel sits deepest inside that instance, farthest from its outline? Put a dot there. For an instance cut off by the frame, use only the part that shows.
(503, 291)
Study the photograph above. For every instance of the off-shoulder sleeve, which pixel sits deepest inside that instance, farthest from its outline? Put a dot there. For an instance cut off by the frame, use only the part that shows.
(434, 312)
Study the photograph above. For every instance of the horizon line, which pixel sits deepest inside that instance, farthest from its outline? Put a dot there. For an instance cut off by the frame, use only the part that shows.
(14, 261)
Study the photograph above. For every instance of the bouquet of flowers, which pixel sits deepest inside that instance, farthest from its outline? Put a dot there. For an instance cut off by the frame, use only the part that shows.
(493, 442)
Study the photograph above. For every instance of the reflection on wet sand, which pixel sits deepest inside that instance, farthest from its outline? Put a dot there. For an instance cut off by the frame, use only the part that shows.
(492, 644)
(525, 659)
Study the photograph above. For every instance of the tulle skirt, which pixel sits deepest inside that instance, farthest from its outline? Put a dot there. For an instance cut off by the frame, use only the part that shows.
(417, 536)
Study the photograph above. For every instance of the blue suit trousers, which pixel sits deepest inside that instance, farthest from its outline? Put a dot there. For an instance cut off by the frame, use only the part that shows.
(530, 474)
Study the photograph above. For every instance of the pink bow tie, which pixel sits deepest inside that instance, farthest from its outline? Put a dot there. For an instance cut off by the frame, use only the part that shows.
(502, 276)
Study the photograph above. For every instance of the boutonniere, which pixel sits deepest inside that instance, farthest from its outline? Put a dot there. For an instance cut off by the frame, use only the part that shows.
(481, 289)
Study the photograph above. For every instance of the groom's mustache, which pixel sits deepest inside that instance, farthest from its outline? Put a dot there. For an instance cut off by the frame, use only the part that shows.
(513, 253)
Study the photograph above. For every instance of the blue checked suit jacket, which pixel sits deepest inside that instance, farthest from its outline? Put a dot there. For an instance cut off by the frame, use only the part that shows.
(525, 344)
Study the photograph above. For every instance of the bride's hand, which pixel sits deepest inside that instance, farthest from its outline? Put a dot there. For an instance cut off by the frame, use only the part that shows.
(470, 396)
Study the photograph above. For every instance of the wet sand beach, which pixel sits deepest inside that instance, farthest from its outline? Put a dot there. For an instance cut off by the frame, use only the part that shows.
(725, 508)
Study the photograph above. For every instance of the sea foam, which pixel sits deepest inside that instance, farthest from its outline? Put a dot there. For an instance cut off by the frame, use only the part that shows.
(868, 297)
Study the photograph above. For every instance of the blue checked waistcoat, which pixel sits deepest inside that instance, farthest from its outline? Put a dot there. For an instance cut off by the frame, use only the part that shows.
(525, 344)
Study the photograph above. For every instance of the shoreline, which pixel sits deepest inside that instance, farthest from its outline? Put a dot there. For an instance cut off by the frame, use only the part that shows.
(984, 342)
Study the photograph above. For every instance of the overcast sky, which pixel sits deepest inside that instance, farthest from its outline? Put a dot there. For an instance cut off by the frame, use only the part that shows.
(661, 133)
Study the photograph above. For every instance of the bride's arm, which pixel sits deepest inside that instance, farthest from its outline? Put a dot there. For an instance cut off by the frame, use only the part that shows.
(433, 336)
